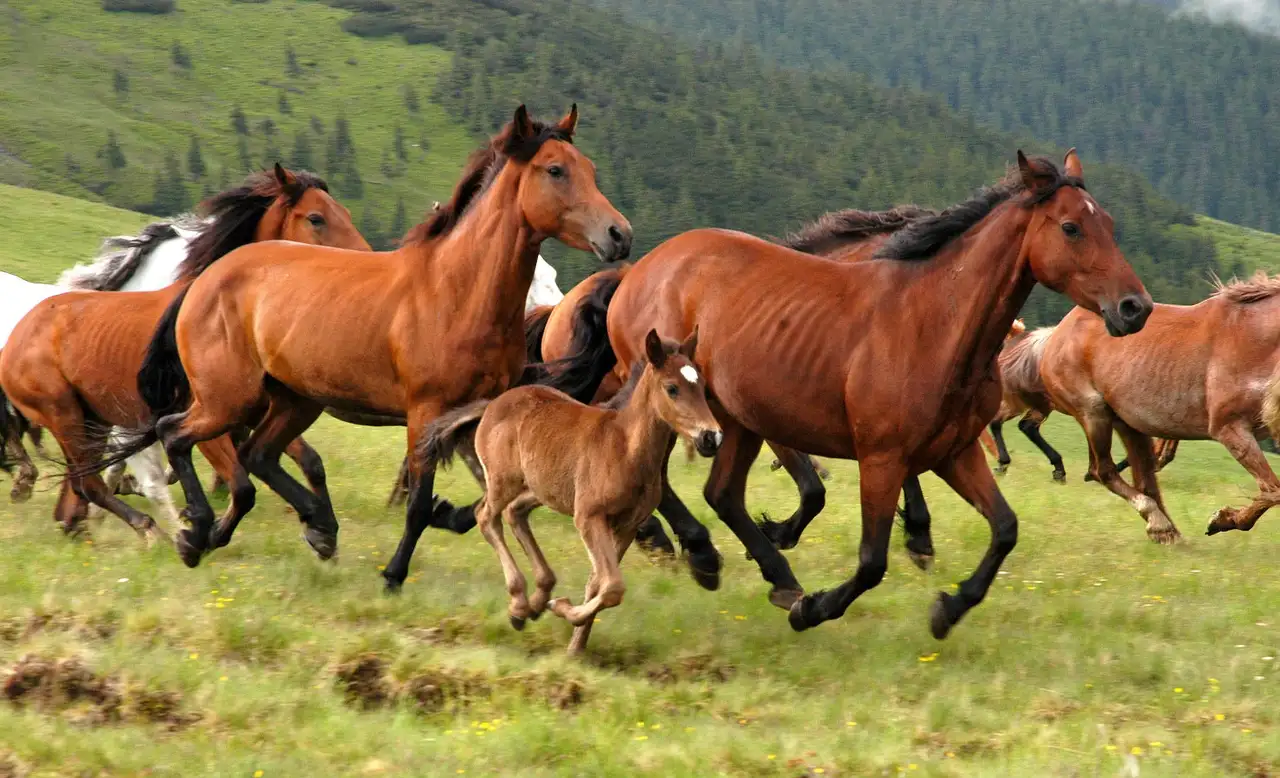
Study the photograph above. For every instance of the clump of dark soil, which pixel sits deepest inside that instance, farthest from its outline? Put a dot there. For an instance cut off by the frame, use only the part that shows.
(366, 683)
(11, 767)
(67, 687)
(697, 668)
(99, 627)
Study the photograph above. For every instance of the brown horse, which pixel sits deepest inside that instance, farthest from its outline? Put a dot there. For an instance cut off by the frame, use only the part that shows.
(890, 361)
(1210, 370)
(274, 333)
(601, 465)
(71, 365)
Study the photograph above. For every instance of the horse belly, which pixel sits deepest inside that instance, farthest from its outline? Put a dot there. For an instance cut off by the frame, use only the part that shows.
(1161, 404)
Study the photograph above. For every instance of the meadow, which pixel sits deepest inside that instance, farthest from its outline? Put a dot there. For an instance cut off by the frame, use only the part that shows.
(1097, 653)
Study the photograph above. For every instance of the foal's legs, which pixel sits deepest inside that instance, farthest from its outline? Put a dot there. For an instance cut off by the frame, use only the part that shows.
(1002, 451)
(813, 497)
(517, 518)
(1030, 425)
(1097, 428)
(881, 480)
(622, 539)
(726, 493)
(606, 577)
(497, 497)
(1238, 438)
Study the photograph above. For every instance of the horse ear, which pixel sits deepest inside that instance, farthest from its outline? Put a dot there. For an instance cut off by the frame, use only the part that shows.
(285, 178)
(690, 345)
(1071, 164)
(521, 124)
(1032, 178)
(653, 349)
(570, 122)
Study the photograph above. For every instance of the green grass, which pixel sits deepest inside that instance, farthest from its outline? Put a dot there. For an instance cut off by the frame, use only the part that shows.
(1240, 247)
(1093, 647)
(57, 59)
(45, 233)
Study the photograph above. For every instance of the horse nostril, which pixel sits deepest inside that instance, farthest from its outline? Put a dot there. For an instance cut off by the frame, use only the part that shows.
(615, 233)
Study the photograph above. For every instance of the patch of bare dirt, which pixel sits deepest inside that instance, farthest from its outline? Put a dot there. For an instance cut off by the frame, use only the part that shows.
(696, 668)
(366, 683)
(17, 628)
(68, 688)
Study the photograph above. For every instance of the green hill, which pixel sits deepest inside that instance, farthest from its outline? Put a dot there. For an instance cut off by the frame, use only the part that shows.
(46, 233)
(1189, 103)
(1241, 250)
(684, 134)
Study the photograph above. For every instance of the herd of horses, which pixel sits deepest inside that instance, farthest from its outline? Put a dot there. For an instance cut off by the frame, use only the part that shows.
(886, 337)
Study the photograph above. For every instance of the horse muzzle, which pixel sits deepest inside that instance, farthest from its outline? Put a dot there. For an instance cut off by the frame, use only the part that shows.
(1127, 316)
(708, 442)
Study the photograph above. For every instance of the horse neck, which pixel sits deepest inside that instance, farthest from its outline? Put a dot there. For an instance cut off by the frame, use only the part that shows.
(272, 224)
(647, 433)
(978, 286)
(488, 259)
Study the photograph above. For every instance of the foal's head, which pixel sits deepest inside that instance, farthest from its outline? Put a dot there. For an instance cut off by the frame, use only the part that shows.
(1071, 245)
(680, 394)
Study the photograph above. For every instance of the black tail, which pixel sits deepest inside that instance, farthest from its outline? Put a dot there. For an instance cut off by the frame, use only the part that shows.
(591, 355)
(162, 382)
(12, 426)
(535, 326)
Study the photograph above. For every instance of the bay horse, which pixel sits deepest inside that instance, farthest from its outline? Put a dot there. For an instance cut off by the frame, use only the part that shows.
(1197, 372)
(71, 364)
(600, 465)
(148, 260)
(274, 333)
(890, 361)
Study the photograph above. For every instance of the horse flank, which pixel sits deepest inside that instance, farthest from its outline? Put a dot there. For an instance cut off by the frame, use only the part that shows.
(1020, 361)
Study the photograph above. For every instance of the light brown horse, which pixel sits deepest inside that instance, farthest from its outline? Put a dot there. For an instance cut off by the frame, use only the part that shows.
(1210, 370)
(71, 364)
(601, 465)
(890, 361)
(274, 333)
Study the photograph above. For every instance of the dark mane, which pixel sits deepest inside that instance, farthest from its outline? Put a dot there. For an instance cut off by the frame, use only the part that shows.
(235, 215)
(839, 228)
(121, 256)
(923, 238)
(1256, 289)
(482, 167)
(620, 400)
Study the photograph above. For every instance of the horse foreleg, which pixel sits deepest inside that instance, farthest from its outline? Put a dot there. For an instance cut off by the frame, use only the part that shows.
(880, 481)
(1103, 470)
(24, 481)
(308, 461)
(422, 503)
(1237, 437)
(622, 538)
(701, 556)
(1030, 425)
(970, 477)
(606, 577)
(150, 468)
(1003, 460)
(813, 497)
(725, 491)
(221, 454)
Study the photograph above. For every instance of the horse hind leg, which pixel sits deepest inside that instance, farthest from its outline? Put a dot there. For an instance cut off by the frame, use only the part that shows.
(916, 524)
(153, 479)
(24, 482)
(221, 454)
(516, 516)
(1237, 437)
(813, 498)
(1003, 460)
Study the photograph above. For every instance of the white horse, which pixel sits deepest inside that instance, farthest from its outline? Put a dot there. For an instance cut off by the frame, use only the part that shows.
(145, 262)
(543, 290)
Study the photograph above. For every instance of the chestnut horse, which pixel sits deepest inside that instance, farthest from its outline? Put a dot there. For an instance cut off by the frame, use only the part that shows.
(603, 466)
(274, 333)
(71, 364)
(1210, 370)
(890, 361)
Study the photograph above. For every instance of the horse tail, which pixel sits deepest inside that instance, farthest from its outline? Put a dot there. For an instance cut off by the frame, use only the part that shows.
(1271, 405)
(12, 425)
(535, 326)
(1020, 361)
(446, 433)
(988, 442)
(162, 382)
(591, 356)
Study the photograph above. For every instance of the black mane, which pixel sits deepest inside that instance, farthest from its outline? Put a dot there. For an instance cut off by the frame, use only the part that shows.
(839, 228)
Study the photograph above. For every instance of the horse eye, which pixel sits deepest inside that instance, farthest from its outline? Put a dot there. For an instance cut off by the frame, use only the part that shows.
(1071, 229)
(316, 220)
(672, 390)
(555, 171)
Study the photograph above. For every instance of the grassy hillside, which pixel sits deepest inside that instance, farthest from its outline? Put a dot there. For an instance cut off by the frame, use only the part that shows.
(1241, 250)
(45, 233)
(57, 64)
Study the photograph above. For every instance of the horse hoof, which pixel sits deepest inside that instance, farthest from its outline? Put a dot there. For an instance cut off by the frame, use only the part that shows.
(323, 543)
(391, 585)
(1165, 537)
(1060, 476)
(801, 615)
(20, 493)
(921, 560)
(660, 544)
(1000, 469)
(704, 566)
(785, 598)
(941, 619)
(517, 623)
(189, 552)
(777, 533)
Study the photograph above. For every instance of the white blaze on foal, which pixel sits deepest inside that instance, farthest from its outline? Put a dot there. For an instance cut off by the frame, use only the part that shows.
(689, 374)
